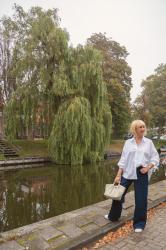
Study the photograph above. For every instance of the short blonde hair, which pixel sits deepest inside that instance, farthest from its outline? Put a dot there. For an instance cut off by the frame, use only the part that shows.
(136, 124)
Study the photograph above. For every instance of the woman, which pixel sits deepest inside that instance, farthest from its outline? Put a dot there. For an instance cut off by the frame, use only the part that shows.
(138, 158)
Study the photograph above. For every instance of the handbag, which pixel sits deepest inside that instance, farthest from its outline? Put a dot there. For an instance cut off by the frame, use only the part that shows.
(113, 191)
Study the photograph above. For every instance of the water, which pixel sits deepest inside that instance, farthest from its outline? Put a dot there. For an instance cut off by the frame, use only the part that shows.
(31, 195)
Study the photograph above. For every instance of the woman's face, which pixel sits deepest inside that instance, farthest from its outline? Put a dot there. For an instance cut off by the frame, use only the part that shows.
(140, 130)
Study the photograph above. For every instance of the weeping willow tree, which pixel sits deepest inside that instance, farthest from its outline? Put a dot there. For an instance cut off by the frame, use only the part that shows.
(59, 85)
(82, 125)
(40, 48)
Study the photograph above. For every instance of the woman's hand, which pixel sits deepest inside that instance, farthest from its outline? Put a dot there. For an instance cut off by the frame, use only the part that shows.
(145, 170)
(117, 179)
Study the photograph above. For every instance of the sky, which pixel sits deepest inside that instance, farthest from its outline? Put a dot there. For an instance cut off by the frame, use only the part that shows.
(139, 25)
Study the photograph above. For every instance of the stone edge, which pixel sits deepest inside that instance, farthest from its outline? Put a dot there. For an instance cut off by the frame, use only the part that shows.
(82, 241)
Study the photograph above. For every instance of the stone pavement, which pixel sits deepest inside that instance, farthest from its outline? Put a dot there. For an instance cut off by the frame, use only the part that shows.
(152, 238)
(75, 229)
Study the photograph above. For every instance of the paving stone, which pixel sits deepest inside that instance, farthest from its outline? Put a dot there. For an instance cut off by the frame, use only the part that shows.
(71, 230)
(105, 203)
(91, 227)
(126, 248)
(108, 247)
(38, 244)
(130, 194)
(81, 221)
(11, 245)
(152, 238)
(100, 220)
(94, 211)
(90, 214)
(154, 196)
(129, 202)
(106, 208)
(58, 242)
(121, 244)
(100, 211)
(49, 232)
(128, 211)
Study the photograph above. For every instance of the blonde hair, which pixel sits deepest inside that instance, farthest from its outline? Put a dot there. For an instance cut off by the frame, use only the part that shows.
(136, 124)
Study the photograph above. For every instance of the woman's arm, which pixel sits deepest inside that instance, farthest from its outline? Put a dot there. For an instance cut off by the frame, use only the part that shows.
(121, 165)
(154, 159)
(118, 176)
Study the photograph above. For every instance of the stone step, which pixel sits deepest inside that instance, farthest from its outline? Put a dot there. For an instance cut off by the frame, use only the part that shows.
(6, 150)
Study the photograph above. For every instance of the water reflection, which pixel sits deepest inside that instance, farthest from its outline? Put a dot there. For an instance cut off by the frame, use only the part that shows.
(30, 195)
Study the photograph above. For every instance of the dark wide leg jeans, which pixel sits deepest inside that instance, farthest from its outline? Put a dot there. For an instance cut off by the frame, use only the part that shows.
(141, 196)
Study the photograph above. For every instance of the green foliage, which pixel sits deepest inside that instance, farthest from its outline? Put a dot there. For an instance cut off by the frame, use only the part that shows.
(117, 75)
(70, 138)
(151, 104)
(29, 148)
(37, 55)
(59, 87)
(82, 124)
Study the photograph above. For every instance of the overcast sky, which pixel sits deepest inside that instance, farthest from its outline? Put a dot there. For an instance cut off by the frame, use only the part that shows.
(139, 25)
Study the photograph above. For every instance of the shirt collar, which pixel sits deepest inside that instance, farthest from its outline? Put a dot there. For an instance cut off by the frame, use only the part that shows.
(133, 139)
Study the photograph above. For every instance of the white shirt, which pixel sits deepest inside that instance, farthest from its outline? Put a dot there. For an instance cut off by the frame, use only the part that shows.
(135, 155)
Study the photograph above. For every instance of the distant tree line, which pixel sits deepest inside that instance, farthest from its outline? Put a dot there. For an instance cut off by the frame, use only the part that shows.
(150, 105)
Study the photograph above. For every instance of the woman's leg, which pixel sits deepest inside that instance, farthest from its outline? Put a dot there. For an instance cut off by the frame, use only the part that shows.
(116, 208)
(141, 200)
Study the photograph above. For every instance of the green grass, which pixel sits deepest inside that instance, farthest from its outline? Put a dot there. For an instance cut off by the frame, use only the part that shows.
(31, 148)
(116, 145)
(2, 157)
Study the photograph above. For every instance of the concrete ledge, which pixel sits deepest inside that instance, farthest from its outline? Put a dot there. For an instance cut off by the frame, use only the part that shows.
(82, 241)
(21, 163)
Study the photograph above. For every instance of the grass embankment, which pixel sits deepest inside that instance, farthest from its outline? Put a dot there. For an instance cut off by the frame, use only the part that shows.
(29, 148)
(32, 148)
(116, 146)
(40, 148)
(2, 157)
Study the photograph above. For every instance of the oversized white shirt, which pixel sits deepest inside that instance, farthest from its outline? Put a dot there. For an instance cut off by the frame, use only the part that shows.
(135, 155)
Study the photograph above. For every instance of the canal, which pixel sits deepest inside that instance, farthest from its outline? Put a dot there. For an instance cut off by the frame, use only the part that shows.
(31, 195)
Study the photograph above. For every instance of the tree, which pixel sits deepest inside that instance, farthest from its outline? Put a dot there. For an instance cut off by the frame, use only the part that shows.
(154, 91)
(117, 75)
(139, 109)
(7, 43)
(84, 118)
(41, 45)
(65, 84)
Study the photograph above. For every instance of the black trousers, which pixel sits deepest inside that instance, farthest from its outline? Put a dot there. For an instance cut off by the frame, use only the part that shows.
(141, 196)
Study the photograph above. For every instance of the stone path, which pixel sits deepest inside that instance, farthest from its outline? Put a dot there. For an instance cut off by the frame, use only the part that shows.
(152, 238)
(72, 230)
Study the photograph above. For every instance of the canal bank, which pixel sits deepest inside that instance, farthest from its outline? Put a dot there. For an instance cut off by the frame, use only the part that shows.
(74, 229)
(19, 163)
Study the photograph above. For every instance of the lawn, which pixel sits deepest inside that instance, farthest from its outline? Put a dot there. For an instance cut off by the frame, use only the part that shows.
(31, 148)
(116, 145)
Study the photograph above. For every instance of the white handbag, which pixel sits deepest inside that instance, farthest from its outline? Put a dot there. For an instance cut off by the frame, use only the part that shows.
(114, 192)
